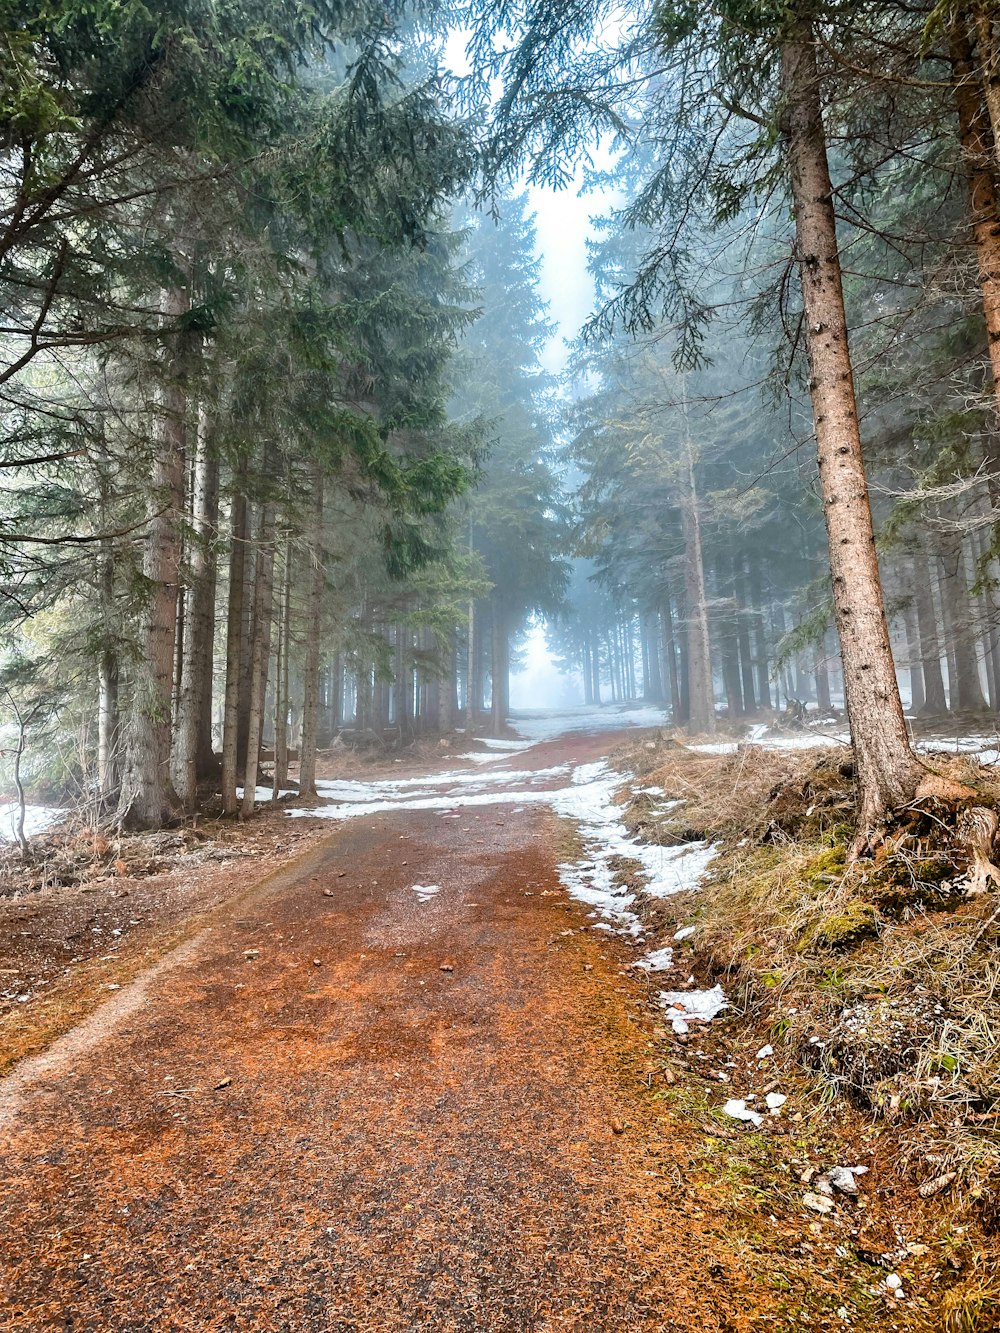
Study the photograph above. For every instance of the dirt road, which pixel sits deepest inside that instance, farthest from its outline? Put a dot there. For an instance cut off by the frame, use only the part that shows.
(352, 1105)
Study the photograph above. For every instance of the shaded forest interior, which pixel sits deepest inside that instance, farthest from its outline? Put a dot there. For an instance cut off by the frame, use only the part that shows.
(286, 462)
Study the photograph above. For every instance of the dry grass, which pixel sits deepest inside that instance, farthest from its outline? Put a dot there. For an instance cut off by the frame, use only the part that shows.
(764, 795)
(882, 980)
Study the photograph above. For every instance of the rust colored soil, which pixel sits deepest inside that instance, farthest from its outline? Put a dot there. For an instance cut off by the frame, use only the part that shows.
(341, 1107)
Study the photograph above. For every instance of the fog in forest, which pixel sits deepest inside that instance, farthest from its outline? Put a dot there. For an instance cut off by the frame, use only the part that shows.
(537, 682)
(310, 433)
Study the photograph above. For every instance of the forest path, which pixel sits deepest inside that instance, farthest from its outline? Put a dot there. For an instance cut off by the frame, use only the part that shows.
(353, 1106)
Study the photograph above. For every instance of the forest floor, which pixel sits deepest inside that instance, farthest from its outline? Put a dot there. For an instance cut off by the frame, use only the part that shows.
(386, 1074)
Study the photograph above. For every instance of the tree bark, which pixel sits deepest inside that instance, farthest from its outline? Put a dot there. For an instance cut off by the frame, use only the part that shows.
(446, 691)
(651, 637)
(988, 61)
(978, 150)
(670, 659)
(195, 695)
(746, 657)
(822, 678)
(913, 661)
(108, 674)
(234, 641)
(595, 666)
(281, 674)
(887, 771)
(966, 688)
(314, 615)
(499, 667)
(935, 701)
(760, 635)
(701, 704)
(260, 653)
(246, 644)
(147, 797)
(470, 669)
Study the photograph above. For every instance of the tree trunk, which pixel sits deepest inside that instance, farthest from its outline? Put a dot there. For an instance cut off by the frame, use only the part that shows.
(760, 634)
(234, 640)
(987, 567)
(471, 701)
(701, 707)
(147, 797)
(447, 690)
(404, 682)
(595, 666)
(935, 702)
(628, 647)
(108, 678)
(988, 61)
(651, 638)
(684, 661)
(314, 615)
(260, 654)
(913, 660)
(281, 674)
(726, 626)
(246, 645)
(975, 137)
(743, 635)
(18, 821)
(966, 688)
(822, 676)
(886, 768)
(499, 671)
(670, 660)
(195, 695)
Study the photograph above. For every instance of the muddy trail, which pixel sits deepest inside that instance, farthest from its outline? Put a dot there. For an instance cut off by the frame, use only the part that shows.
(404, 1084)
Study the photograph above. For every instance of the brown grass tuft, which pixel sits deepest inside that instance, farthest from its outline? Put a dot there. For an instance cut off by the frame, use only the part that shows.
(882, 979)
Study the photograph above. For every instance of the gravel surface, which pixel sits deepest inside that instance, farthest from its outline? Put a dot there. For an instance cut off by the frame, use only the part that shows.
(348, 1105)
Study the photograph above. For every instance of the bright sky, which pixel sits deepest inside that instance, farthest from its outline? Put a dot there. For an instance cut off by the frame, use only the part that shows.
(562, 219)
(563, 225)
(539, 684)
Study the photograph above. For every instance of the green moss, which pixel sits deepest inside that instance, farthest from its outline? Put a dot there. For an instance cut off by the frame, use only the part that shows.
(853, 921)
(902, 881)
(826, 868)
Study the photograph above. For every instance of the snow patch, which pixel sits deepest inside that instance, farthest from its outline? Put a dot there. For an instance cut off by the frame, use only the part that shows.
(657, 961)
(37, 818)
(266, 793)
(547, 726)
(737, 1109)
(588, 800)
(686, 1006)
(425, 892)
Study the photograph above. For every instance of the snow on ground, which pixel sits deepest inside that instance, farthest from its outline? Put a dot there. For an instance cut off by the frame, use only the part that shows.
(538, 726)
(588, 800)
(266, 793)
(985, 748)
(37, 818)
(660, 960)
(686, 1006)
